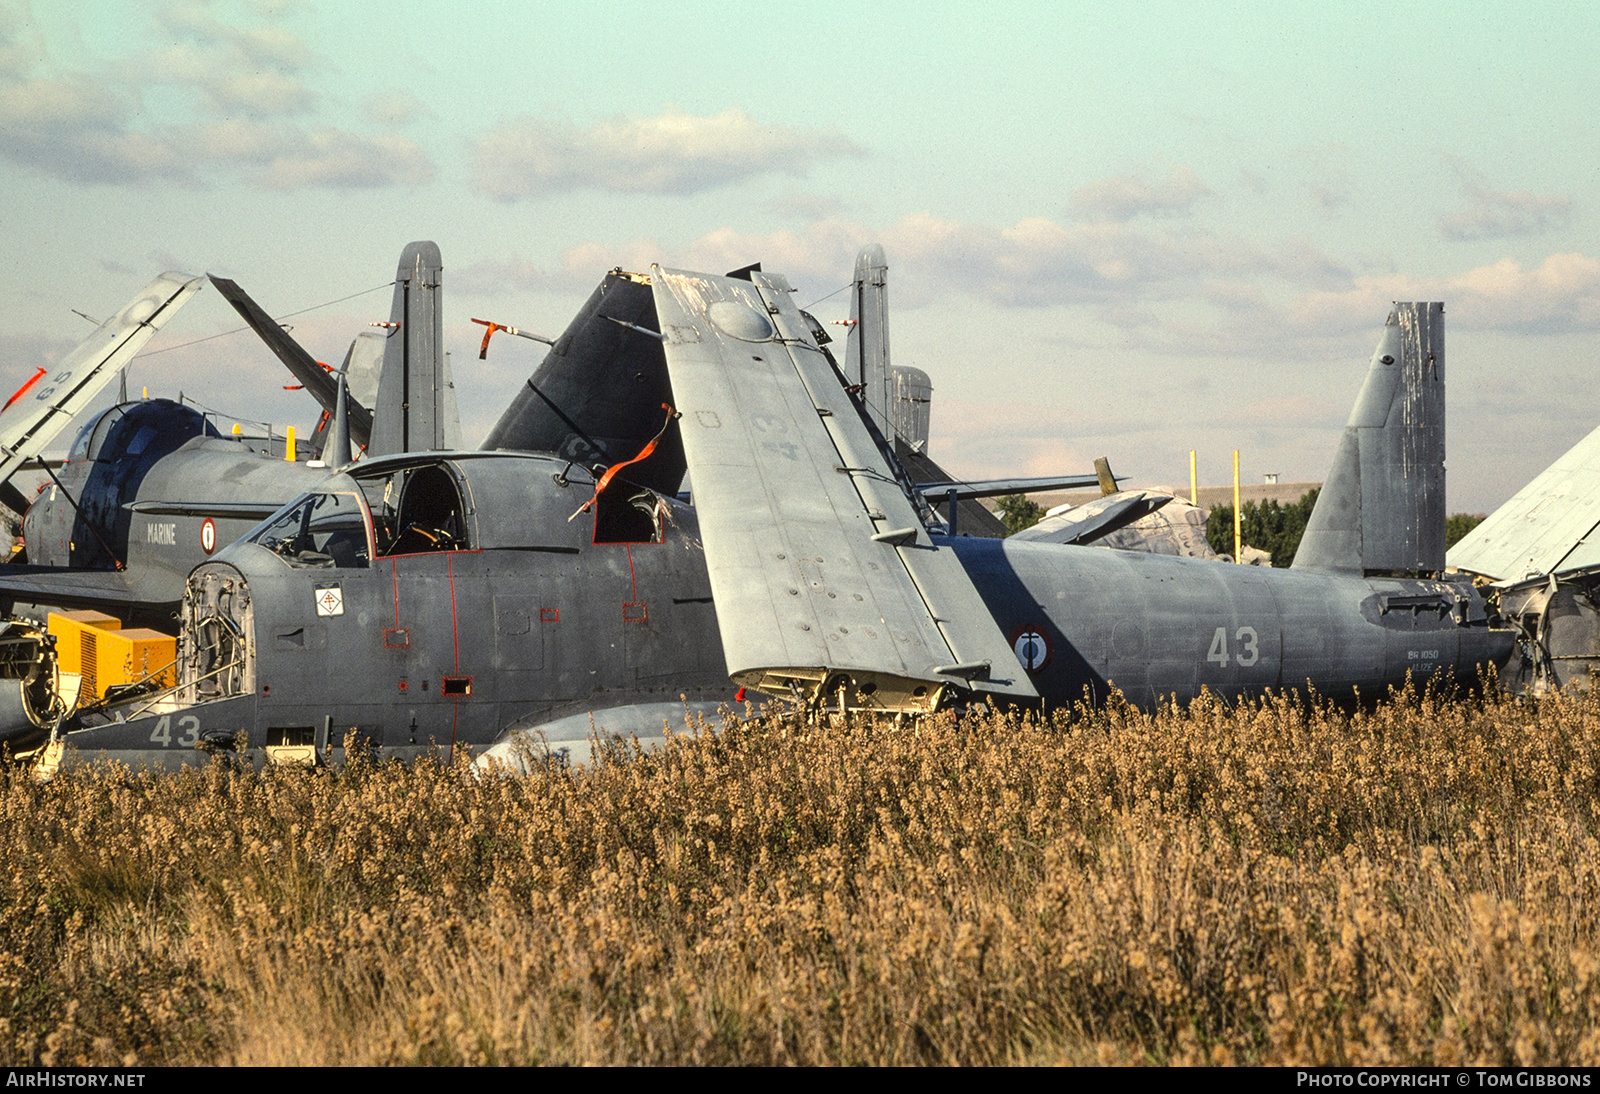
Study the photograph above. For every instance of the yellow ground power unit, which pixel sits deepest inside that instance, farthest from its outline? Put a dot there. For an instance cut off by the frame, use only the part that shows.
(96, 646)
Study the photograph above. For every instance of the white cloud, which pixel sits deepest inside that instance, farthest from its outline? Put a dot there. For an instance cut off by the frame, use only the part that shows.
(337, 158)
(1128, 196)
(669, 153)
(1561, 294)
(20, 50)
(86, 127)
(1501, 214)
(69, 103)
(236, 70)
(76, 129)
(1172, 292)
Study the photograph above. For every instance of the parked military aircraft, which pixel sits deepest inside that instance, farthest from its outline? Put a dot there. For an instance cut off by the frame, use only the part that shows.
(440, 599)
(1154, 521)
(1540, 554)
(151, 489)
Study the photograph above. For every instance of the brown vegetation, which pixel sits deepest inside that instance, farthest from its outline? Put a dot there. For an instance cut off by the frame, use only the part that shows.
(1268, 884)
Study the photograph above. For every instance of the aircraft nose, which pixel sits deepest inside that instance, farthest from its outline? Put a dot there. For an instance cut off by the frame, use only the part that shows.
(218, 635)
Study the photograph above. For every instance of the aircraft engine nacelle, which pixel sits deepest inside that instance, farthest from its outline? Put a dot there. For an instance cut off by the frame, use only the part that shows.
(30, 686)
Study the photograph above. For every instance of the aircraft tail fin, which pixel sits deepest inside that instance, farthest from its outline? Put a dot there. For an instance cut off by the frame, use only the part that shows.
(866, 354)
(912, 407)
(411, 414)
(337, 452)
(1381, 510)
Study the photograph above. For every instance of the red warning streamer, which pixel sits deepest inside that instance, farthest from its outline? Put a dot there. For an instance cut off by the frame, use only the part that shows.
(605, 479)
(23, 390)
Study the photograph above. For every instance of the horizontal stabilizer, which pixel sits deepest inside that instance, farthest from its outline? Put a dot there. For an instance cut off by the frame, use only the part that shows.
(994, 488)
(318, 381)
(819, 589)
(47, 404)
(1087, 523)
(1549, 526)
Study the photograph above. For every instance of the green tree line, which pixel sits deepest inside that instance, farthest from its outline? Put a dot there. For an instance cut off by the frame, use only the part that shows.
(1269, 526)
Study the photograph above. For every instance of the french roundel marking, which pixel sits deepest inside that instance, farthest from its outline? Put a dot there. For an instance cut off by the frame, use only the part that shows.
(1032, 647)
(208, 536)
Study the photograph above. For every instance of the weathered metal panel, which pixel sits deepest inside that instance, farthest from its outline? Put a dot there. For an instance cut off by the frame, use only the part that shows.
(1549, 526)
(945, 591)
(790, 489)
(1382, 506)
(1157, 626)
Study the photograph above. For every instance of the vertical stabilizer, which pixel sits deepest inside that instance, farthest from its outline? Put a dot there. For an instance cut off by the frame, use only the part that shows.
(336, 452)
(913, 403)
(866, 359)
(449, 407)
(1381, 510)
(411, 414)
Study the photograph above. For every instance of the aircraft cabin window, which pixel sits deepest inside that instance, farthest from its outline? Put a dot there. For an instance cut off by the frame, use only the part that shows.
(141, 440)
(102, 430)
(80, 446)
(320, 530)
(430, 516)
(628, 514)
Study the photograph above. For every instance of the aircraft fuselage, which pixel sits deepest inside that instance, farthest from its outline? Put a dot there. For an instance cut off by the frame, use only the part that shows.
(527, 623)
(1159, 626)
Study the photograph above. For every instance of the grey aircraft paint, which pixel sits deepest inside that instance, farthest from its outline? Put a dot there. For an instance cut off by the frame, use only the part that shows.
(439, 600)
(150, 490)
(1382, 506)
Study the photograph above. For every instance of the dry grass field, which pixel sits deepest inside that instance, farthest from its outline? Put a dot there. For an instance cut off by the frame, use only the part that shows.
(1266, 884)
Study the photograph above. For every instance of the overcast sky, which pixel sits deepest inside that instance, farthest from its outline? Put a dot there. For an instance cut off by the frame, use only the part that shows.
(1127, 230)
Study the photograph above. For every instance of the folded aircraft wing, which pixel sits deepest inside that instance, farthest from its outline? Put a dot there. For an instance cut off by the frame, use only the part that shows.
(1549, 526)
(318, 381)
(47, 404)
(825, 580)
(1089, 522)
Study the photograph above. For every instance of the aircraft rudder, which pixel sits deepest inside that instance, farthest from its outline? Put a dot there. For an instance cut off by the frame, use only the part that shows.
(1381, 509)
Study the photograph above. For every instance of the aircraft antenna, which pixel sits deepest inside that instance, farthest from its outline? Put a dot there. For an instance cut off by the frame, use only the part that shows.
(285, 315)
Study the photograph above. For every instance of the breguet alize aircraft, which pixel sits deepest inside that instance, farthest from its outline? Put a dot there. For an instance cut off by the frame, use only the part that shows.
(556, 584)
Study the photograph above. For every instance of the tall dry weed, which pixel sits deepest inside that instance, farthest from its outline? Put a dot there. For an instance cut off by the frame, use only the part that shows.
(1273, 882)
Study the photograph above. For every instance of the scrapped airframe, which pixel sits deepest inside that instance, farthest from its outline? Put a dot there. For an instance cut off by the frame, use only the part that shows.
(490, 599)
(150, 488)
(1539, 557)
